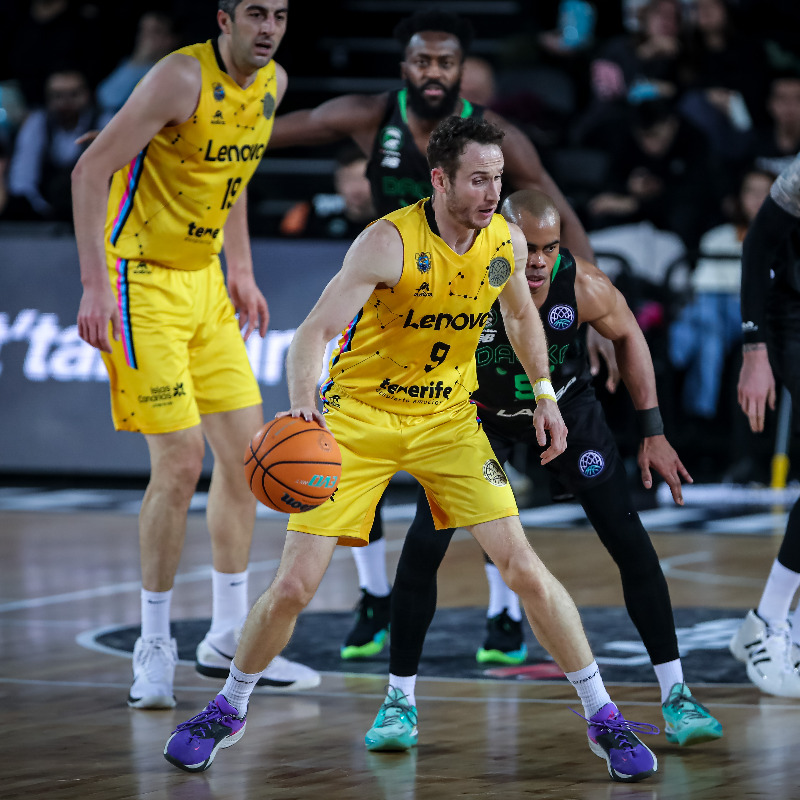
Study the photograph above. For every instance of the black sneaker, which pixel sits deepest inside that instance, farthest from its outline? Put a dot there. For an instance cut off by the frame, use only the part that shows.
(503, 643)
(368, 635)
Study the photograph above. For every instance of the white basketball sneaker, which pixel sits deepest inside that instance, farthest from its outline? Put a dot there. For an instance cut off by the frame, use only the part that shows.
(154, 661)
(213, 660)
(771, 658)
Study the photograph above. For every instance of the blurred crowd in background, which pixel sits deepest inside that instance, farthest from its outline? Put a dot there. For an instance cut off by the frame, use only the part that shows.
(664, 123)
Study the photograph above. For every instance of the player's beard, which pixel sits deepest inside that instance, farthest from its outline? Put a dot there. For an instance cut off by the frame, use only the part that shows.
(422, 107)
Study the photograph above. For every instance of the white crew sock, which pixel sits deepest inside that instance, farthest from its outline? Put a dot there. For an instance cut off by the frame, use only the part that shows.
(406, 684)
(590, 688)
(778, 593)
(669, 673)
(500, 596)
(155, 613)
(239, 687)
(229, 603)
(371, 567)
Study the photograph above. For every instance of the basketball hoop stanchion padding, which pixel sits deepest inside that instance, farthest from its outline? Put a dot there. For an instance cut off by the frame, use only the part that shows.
(780, 459)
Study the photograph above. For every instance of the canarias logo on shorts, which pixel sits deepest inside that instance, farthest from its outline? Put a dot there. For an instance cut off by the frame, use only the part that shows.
(493, 473)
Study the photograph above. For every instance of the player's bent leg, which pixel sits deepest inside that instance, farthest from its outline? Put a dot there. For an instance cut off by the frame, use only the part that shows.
(266, 632)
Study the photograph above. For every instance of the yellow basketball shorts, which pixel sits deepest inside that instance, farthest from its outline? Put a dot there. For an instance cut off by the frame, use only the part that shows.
(447, 452)
(180, 354)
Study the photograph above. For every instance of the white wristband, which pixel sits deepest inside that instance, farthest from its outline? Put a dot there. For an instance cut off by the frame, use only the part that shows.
(543, 390)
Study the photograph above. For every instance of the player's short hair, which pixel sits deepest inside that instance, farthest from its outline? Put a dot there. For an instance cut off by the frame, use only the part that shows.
(451, 136)
(435, 20)
(228, 6)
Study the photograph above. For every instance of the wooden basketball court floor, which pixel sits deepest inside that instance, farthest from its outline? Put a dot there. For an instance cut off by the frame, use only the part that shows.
(67, 733)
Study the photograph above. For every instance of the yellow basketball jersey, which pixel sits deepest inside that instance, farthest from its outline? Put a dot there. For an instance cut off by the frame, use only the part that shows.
(411, 348)
(169, 205)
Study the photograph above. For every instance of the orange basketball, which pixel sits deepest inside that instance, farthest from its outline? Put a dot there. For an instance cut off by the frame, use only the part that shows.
(292, 465)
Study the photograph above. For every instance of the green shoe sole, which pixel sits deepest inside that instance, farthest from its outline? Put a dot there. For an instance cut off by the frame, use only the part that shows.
(499, 657)
(694, 737)
(365, 650)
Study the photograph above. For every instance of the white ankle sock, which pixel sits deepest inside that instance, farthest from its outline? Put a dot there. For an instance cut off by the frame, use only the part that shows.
(669, 673)
(778, 593)
(590, 688)
(500, 596)
(406, 684)
(229, 600)
(239, 687)
(371, 567)
(155, 613)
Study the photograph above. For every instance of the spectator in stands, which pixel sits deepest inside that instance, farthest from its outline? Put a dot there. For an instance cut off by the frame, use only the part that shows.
(710, 325)
(3, 174)
(724, 92)
(342, 215)
(155, 37)
(38, 36)
(645, 59)
(662, 171)
(45, 150)
(778, 142)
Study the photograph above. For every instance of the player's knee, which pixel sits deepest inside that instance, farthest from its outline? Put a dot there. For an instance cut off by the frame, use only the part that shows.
(290, 593)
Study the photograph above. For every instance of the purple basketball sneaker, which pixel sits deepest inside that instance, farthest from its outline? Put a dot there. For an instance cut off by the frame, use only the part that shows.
(612, 737)
(194, 743)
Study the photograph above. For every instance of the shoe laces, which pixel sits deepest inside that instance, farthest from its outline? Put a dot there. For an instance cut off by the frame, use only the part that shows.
(397, 702)
(687, 705)
(784, 636)
(153, 650)
(620, 727)
(202, 721)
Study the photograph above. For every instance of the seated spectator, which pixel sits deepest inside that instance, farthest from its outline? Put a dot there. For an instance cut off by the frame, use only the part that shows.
(3, 175)
(336, 216)
(38, 36)
(155, 38)
(663, 172)
(45, 150)
(709, 327)
(778, 142)
(723, 92)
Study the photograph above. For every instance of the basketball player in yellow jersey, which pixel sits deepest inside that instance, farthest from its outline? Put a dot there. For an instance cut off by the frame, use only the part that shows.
(415, 288)
(178, 157)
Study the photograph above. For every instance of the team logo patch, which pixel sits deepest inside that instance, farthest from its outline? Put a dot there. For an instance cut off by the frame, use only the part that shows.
(561, 317)
(219, 92)
(499, 270)
(269, 105)
(493, 473)
(591, 464)
(423, 262)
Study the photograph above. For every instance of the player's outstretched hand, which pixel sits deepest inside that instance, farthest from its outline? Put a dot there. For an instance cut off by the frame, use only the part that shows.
(308, 413)
(655, 452)
(547, 420)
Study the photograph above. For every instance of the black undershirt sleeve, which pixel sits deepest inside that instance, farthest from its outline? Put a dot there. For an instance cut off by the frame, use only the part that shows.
(764, 239)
